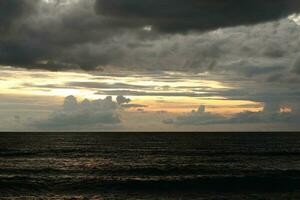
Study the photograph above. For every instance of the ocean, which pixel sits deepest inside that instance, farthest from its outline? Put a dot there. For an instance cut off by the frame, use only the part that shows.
(149, 166)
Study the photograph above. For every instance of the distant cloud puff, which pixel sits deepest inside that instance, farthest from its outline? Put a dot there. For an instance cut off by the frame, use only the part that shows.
(121, 100)
(199, 117)
(270, 114)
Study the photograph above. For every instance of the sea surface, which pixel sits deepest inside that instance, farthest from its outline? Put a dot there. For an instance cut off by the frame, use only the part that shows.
(150, 166)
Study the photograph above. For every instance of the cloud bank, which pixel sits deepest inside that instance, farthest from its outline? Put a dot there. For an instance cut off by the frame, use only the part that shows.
(85, 113)
(270, 114)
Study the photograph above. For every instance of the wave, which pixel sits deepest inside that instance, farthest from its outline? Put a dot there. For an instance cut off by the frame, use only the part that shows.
(91, 153)
(147, 172)
(17, 184)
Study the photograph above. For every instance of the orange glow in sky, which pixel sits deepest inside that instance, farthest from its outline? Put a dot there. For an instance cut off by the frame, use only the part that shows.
(154, 92)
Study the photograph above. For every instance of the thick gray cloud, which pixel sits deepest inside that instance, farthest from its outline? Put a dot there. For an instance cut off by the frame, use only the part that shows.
(203, 15)
(88, 33)
(12, 10)
(56, 37)
(296, 65)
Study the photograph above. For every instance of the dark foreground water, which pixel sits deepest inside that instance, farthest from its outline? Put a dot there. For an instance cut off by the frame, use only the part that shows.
(149, 166)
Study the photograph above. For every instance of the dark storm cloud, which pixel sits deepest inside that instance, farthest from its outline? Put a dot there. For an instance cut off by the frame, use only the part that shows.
(88, 34)
(12, 10)
(54, 37)
(296, 65)
(203, 15)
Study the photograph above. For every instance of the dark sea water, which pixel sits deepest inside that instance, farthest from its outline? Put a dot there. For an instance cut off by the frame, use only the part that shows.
(149, 166)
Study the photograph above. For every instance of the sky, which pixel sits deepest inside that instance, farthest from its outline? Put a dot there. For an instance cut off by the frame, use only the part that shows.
(149, 65)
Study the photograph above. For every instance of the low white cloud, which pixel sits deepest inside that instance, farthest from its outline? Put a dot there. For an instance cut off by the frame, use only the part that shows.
(87, 112)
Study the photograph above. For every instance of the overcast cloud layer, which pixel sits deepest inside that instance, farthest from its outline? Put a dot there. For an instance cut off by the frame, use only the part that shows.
(86, 34)
(202, 15)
